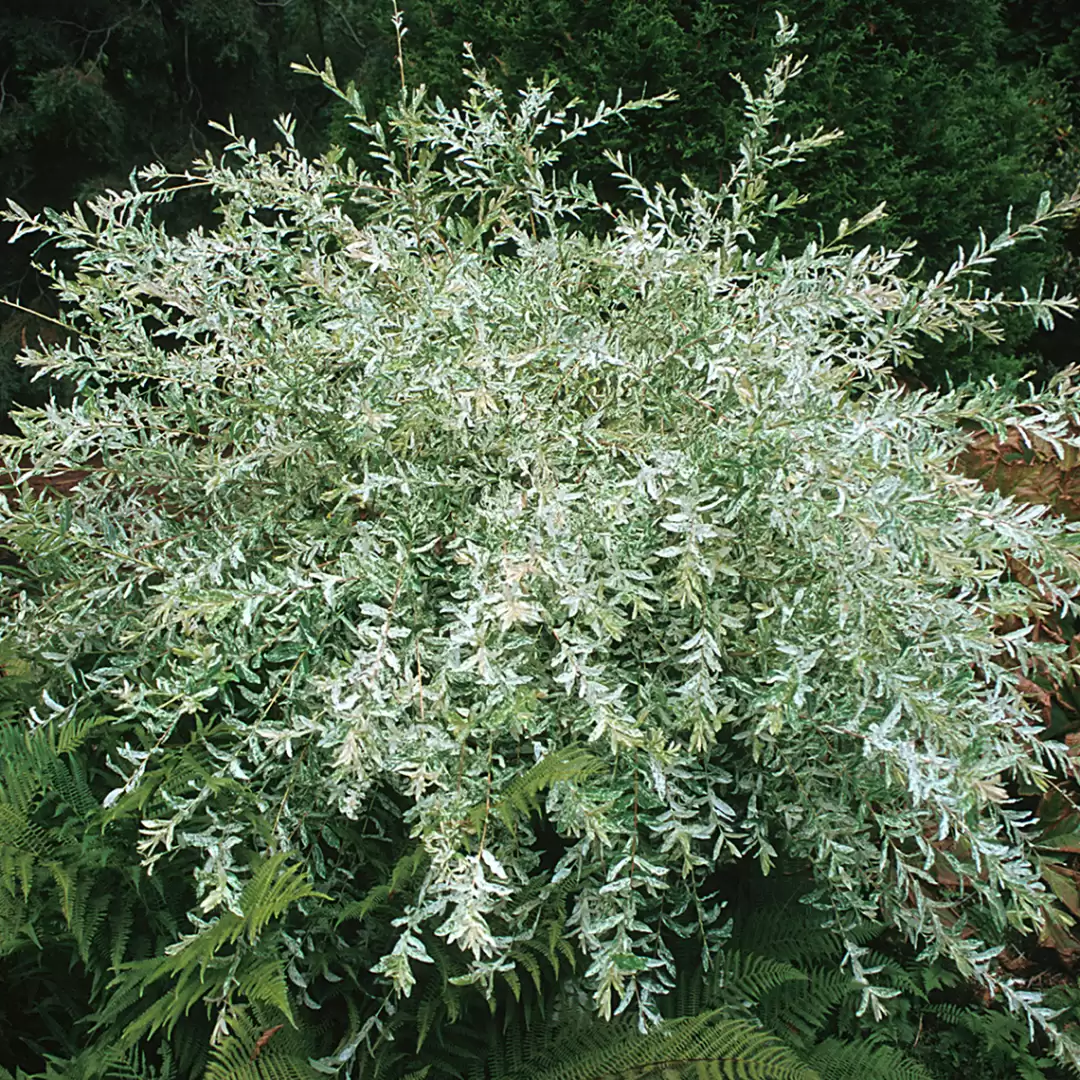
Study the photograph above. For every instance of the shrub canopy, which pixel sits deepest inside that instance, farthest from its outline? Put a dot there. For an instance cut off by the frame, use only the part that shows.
(420, 526)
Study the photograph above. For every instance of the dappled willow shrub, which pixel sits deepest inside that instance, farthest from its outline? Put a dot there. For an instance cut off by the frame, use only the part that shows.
(461, 586)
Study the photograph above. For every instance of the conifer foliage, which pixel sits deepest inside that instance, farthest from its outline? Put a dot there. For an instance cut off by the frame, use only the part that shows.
(451, 596)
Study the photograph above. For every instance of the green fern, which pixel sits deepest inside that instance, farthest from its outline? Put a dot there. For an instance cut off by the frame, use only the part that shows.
(197, 970)
(521, 797)
(996, 1037)
(835, 1059)
(749, 1018)
(262, 1045)
(135, 1064)
(405, 869)
(710, 1046)
(738, 975)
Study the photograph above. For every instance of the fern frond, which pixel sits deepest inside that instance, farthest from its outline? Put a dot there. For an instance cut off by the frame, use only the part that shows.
(69, 784)
(21, 844)
(136, 1065)
(273, 888)
(25, 765)
(521, 797)
(788, 930)
(88, 912)
(257, 1050)
(741, 975)
(71, 735)
(838, 1060)
(405, 869)
(193, 971)
(712, 1046)
(121, 924)
(804, 1010)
